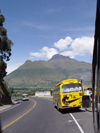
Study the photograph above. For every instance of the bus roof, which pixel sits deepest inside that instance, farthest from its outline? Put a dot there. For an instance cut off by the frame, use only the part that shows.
(67, 81)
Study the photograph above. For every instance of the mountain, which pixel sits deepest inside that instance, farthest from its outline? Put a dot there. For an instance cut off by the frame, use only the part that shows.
(49, 73)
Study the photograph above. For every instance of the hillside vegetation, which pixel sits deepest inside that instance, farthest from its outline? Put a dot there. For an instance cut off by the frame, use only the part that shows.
(49, 73)
(5, 95)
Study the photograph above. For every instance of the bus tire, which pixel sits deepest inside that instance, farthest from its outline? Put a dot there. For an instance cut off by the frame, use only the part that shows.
(77, 108)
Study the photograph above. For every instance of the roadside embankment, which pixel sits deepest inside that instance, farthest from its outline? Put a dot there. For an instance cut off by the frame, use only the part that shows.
(14, 102)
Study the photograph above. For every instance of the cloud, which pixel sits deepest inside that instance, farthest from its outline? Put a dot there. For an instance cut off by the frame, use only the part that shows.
(83, 45)
(89, 28)
(38, 26)
(67, 47)
(68, 53)
(80, 47)
(45, 52)
(62, 44)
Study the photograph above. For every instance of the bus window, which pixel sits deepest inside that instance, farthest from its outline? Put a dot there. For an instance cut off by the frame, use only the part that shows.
(75, 87)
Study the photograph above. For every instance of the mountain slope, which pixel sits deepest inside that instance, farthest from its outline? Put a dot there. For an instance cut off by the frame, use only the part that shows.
(48, 73)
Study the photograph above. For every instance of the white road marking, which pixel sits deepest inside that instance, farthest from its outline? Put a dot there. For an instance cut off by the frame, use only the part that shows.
(73, 120)
(77, 123)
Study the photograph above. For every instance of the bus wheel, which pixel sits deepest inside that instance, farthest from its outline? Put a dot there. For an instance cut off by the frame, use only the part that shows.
(77, 108)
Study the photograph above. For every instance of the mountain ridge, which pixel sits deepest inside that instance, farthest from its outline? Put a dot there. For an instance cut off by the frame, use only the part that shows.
(48, 73)
(58, 56)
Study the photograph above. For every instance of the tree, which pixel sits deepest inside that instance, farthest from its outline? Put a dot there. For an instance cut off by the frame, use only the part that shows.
(5, 47)
(11, 90)
(5, 53)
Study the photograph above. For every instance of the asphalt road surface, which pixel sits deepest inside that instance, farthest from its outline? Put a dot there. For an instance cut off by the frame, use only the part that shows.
(38, 115)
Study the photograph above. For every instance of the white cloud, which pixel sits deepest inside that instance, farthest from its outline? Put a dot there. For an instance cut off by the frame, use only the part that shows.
(68, 53)
(68, 47)
(45, 52)
(62, 44)
(80, 47)
(83, 45)
(37, 26)
(89, 28)
(37, 54)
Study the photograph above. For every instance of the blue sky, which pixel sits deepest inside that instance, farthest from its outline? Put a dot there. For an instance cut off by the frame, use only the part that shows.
(41, 28)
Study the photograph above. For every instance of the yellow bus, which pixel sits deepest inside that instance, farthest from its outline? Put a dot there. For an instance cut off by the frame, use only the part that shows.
(68, 94)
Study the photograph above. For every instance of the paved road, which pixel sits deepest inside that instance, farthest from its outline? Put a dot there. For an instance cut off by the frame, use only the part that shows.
(44, 118)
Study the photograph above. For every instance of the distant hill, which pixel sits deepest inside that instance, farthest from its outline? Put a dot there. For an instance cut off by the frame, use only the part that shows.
(49, 73)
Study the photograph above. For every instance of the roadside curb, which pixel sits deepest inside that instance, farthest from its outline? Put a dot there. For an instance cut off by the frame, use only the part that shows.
(4, 107)
(14, 102)
(87, 109)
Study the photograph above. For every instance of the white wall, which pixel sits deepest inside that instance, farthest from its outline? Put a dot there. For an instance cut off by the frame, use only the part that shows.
(44, 93)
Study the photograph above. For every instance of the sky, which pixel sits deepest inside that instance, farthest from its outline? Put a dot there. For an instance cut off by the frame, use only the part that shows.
(40, 29)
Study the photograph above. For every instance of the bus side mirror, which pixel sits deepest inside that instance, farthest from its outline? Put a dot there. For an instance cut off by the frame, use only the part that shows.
(86, 101)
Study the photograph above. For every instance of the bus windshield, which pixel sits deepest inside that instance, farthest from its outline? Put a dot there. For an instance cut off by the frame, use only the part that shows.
(75, 87)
